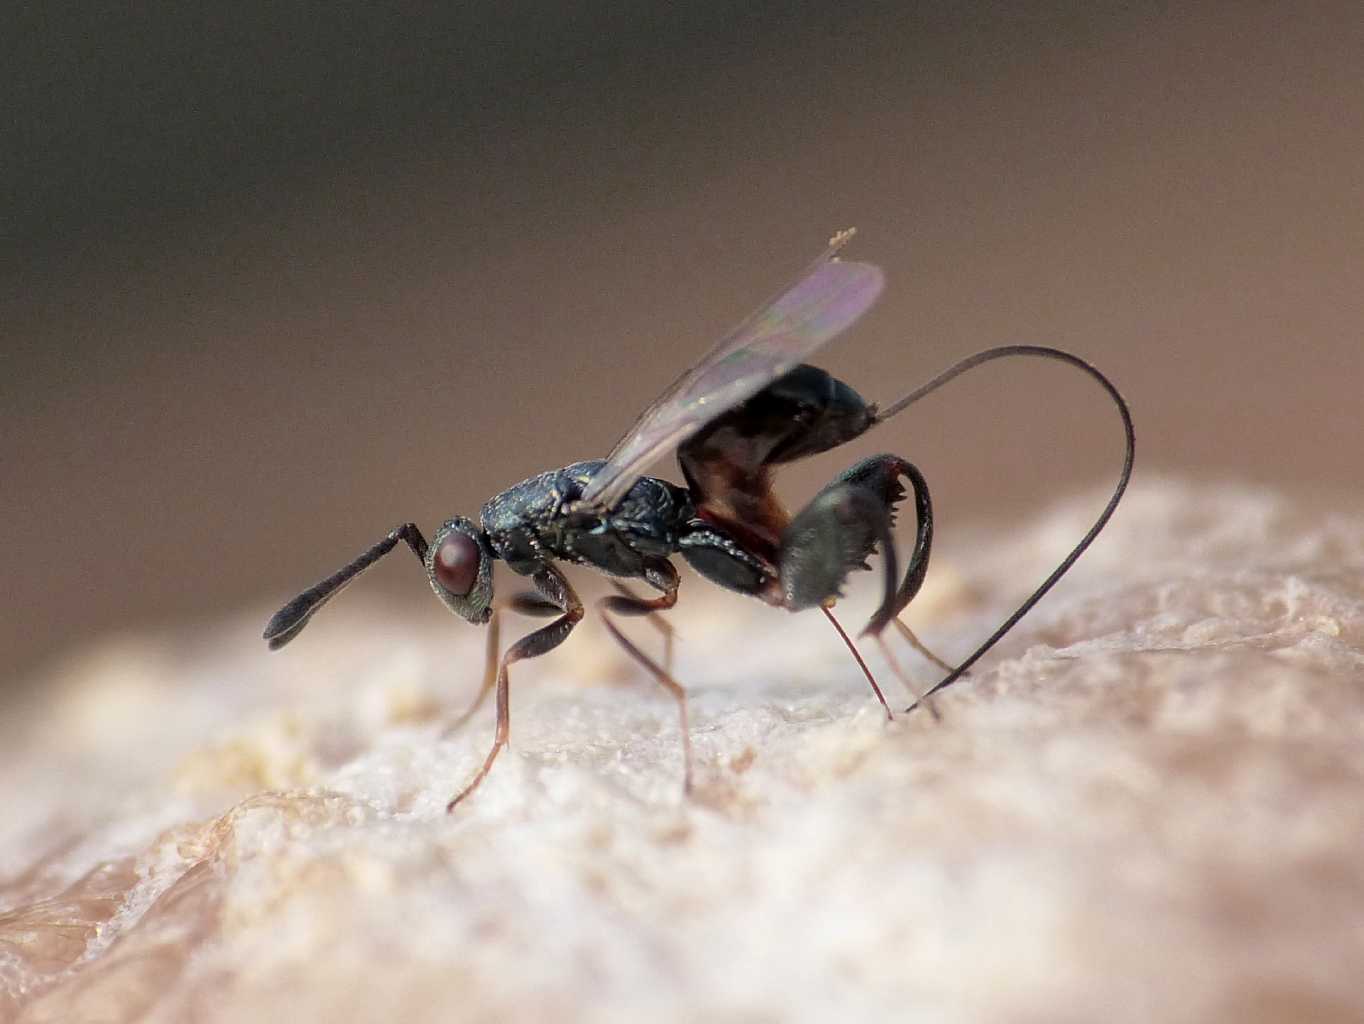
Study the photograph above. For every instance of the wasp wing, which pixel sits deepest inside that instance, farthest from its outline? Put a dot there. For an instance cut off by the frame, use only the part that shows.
(826, 300)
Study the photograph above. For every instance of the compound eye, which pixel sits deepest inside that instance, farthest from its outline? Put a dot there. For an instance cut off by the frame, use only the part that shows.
(456, 563)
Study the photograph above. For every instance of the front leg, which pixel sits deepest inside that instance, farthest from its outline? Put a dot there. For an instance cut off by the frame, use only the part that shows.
(550, 582)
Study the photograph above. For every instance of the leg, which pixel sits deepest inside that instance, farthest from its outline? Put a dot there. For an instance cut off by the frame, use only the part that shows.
(857, 657)
(552, 585)
(918, 645)
(880, 475)
(663, 577)
(900, 673)
(831, 536)
(489, 674)
(656, 620)
(839, 530)
(527, 603)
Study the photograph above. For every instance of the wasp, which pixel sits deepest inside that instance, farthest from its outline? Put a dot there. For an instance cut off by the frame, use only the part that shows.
(747, 407)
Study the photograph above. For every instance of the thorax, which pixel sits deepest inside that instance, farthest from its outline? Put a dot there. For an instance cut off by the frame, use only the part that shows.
(529, 522)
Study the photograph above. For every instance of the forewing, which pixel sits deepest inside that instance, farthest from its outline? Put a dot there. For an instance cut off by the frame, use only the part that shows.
(826, 301)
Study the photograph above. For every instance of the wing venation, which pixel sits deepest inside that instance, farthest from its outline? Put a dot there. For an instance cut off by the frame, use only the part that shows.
(824, 302)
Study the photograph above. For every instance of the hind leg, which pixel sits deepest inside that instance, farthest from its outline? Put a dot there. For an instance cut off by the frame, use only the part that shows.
(839, 530)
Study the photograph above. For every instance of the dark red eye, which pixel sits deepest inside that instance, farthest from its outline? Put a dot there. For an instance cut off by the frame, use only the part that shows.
(456, 563)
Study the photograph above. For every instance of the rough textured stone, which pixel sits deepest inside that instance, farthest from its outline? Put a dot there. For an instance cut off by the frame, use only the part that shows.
(1147, 805)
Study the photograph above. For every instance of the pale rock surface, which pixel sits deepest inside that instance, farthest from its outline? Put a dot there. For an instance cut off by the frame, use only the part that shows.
(1145, 806)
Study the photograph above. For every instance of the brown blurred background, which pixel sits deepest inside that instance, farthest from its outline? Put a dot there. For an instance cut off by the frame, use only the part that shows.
(277, 279)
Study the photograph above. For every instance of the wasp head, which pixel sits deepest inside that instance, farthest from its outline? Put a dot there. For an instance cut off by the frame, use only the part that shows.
(460, 566)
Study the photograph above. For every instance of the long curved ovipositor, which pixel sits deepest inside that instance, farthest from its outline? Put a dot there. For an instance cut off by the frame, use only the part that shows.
(1124, 477)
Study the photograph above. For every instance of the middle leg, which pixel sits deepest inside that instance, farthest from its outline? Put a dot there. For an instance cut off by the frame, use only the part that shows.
(664, 627)
(661, 576)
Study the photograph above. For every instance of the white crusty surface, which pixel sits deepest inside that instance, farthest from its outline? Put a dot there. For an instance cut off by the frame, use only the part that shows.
(1148, 805)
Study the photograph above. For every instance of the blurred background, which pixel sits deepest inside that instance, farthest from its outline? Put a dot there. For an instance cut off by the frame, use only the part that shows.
(278, 277)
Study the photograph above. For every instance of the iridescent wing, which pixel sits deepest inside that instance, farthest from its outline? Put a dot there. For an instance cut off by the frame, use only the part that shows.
(827, 299)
